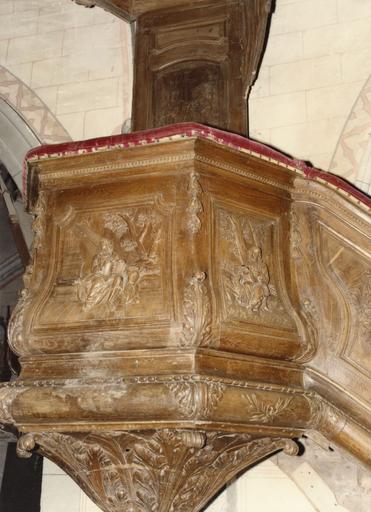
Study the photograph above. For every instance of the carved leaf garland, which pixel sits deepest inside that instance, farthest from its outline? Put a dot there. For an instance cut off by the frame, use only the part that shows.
(15, 329)
(263, 410)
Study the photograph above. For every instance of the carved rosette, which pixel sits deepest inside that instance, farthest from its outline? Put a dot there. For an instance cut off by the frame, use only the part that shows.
(196, 330)
(153, 471)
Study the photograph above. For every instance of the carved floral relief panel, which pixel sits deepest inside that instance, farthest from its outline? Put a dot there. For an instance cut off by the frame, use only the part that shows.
(248, 273)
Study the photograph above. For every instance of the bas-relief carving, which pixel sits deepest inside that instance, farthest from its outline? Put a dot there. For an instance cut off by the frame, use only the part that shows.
(264, 410)
(196, 329)
(199, 101)
(153, 471)
(31, 279)
(121, 262)
(198, 63)
(197, 398)
(112, 264)
(250, 293)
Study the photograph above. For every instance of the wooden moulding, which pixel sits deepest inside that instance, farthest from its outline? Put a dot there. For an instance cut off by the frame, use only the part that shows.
(194, 303)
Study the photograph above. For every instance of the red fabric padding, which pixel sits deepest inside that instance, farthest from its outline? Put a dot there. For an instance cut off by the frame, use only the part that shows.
(190, 130)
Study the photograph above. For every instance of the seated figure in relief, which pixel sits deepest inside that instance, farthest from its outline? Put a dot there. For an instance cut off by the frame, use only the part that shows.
(106, 281)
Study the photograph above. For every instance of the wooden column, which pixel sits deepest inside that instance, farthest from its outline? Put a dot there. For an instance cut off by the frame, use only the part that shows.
(194, 61)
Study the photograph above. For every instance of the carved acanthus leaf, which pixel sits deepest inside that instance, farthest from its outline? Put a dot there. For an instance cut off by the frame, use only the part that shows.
(263, 410)
(196, 398)
(324, 417)
(153, 471)
(196, 330)
(38, 225)
(15, 327)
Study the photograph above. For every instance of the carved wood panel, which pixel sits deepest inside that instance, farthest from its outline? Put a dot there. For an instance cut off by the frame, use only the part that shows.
(197, 63)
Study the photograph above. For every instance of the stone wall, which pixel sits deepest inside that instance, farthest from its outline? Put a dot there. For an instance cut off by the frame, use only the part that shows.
(77, 60)
(316, 64)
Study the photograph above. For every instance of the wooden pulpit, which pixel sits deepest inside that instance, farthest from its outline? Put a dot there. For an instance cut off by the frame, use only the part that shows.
(196, 301)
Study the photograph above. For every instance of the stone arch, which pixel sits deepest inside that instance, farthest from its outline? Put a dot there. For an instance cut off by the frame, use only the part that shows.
(25, 122)
(352, 156)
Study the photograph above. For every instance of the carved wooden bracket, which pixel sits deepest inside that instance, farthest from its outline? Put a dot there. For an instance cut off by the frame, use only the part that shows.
(195, 301)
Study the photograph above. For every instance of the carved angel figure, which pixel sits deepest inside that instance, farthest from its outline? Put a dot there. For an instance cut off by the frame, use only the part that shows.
(107, 279)
(248, 283)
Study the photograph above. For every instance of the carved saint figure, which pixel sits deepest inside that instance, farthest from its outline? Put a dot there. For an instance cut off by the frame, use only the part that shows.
(253, 280)
(117, 255)
(248, 284)
(107, 279)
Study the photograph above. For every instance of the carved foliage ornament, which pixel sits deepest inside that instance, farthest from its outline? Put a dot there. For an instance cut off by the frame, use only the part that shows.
(265, 411)
(360, 298)
(195, 205)
(153, 471)
(16, 324)
(196, 330)
(196, 398)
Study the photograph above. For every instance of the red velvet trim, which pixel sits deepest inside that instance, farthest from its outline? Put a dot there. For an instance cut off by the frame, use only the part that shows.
(191, 130)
